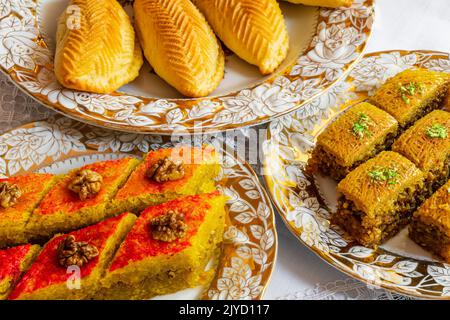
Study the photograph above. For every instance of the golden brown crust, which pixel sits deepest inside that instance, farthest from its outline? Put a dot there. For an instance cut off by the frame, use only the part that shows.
(426, 152)
(324, 3)
(436, 210)
(340, 140)
(101, 53)
(430, 87)
(180, 45)
(369, 196)
(254, 30)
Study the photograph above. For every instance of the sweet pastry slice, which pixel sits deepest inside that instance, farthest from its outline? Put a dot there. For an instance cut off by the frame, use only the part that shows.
(430, 227)
(167, 174)
(324, 3)
(427, 145)
(180, 45)
(70, 266)
(356, 136)
(96, 47)
(412, 94)
(254, 30)
(80, 198)
(13, 263)
(378, 198)
(167, 249)
(18, 197)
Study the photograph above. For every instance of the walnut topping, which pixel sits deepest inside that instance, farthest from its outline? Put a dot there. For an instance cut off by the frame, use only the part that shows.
(166, 170)
(168, 227)
(9, 194)
(72, 253)
(86, 183)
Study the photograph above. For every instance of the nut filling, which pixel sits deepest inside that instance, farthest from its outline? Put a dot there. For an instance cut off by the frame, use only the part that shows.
(9, 194)
(168, 227)
(166, 170)
(86, 183)
(72, 253)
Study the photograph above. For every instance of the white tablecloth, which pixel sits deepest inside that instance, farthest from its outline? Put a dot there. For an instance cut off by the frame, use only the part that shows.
(299, 273)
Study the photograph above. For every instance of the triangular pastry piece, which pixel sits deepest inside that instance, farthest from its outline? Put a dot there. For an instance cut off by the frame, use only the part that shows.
(180, 45)
(254, 30)
(96, 49)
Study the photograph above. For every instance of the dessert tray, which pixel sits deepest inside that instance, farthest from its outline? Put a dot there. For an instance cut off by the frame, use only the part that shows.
(60, 144)
(324, 44)
(306, 201)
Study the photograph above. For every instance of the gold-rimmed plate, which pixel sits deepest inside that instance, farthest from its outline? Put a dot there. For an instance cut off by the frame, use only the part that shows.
(306, 202)
(324, 44)
(59, 144)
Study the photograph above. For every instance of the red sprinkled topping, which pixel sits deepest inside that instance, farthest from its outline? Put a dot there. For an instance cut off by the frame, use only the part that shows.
(60, 198)
(139, 184)
(31, 188)
(139, 243)
(10, 261)
(46, 270)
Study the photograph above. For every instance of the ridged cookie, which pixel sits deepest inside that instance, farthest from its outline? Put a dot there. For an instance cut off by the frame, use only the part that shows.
(180, 45)
(254, 30)
(96, 47)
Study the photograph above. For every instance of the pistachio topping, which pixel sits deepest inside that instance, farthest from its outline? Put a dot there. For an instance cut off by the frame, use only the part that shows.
(437, 130)
(383, 175)
(86, 183)
(361, 127)
(169, 226)
(410, 89)
(166, 170)
(71, 252)
(9, 194)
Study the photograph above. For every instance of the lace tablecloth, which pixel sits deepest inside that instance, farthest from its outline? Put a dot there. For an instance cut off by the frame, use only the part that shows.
(299, 273)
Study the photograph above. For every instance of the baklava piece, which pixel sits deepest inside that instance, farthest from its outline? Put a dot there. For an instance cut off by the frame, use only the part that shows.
(167, 249)
(427, 145)
(412, 94)
(430, 227)
(378, 198)
(70, 265)
(356, 136)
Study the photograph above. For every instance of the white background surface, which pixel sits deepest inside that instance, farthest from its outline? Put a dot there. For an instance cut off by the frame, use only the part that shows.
(399, 24)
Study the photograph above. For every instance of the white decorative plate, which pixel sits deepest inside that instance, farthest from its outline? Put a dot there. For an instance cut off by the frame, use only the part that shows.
(250, 240)
(324, 43)
(306, 202)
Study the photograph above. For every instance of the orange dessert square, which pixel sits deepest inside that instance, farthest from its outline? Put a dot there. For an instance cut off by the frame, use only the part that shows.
(167, 249)
(14, 215)
(13, 262)
(63, 209)
(199, 168)
(70, 266)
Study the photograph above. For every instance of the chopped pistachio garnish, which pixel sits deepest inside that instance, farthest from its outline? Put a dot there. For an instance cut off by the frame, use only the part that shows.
(437, 130)
(361, 127)
(409, 90)
(383, 174)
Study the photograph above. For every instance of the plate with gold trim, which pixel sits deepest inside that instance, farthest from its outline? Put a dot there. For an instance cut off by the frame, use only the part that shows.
(248, 253)
(306, 202)
(324, 44)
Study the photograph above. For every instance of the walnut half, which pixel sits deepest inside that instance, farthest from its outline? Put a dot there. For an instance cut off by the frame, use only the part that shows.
(168, 227)
(166, 170)
(72, 253)
(9, 194)
(86, 183)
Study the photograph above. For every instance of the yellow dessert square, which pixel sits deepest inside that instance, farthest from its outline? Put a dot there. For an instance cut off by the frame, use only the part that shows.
(200, 167)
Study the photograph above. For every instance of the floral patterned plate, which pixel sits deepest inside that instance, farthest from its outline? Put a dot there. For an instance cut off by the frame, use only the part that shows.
(324, 46)
(250, 240)
(306, 202)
